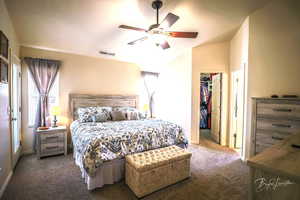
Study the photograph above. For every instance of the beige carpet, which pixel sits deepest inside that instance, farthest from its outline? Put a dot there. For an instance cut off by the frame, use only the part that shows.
(217, 173)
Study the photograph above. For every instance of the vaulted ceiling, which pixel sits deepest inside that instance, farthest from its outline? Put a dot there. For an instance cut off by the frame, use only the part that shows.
(88, 26)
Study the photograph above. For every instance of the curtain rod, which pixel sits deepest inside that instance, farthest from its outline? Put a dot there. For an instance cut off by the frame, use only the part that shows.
(149, 73)
(44, 59)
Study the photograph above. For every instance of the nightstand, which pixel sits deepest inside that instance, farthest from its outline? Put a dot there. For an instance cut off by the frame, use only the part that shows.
(52, 141)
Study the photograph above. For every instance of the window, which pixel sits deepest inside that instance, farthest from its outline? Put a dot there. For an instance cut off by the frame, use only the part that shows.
(150, 80)
(33, 96)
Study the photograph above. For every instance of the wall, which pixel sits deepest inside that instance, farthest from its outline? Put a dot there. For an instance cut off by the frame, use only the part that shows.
(174, 92)
(7, 28)
(239, 51)
(209, 58)
(239, 46)
(80, 74)
(274, 49)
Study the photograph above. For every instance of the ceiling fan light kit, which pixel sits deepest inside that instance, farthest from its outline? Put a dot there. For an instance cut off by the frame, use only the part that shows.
(157, 32)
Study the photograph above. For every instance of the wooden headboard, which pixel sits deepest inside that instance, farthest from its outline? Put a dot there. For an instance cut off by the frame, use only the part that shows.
(86, 100)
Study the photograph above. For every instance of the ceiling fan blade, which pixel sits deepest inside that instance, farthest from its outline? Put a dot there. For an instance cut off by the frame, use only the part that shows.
(138, 40)
(169, 20)
(182, 34)
(165, 45)
(132, 28)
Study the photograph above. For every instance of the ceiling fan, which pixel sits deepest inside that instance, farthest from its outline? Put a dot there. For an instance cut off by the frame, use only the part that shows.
(157, 31)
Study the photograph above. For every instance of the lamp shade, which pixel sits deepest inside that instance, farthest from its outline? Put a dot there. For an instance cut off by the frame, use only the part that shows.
(55, 110)
(146, 107)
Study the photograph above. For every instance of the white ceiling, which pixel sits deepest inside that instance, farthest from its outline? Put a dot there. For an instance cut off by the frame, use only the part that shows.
(88, 26)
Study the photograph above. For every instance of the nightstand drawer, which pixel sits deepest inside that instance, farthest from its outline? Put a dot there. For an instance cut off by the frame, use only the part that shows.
(52, 148)
(52, 138)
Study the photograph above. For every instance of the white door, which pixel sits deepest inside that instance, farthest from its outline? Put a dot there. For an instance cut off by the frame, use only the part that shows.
(16, 109)
(238, 109)
(216, 108)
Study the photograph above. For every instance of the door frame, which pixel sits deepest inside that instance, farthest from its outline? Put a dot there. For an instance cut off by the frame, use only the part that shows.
(223, 119)
(15, 156)
(242, 76)
(234, 87)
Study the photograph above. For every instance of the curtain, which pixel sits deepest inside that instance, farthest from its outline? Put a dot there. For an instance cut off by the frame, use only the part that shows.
(150, 82)
(43, 72)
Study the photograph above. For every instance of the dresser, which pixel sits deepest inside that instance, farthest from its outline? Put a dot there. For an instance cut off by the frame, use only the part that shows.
(52, 141)
(273, 120)
(275, 173)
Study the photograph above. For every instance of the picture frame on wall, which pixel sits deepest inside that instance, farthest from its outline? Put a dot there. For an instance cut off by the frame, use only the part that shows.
(3, 71)
(3, 45)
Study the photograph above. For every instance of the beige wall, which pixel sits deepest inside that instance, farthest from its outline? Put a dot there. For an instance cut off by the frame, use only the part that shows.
(274, 49)
(7, 28)
(81, 74)
(174, 92)
(209, 58)
(239, 48)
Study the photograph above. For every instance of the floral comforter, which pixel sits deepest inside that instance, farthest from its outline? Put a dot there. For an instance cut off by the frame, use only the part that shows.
(105, 141)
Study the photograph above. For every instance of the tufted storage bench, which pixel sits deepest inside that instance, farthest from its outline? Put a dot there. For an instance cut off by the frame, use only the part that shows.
(152, 170)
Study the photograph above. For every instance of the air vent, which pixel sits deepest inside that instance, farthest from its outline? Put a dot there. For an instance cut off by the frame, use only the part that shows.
(107, 53)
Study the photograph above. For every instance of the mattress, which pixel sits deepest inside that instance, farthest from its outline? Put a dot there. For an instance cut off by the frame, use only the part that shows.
(97, 143)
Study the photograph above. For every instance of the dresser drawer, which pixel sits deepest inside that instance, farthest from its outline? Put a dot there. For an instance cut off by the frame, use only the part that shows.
(52, 148)
(261, 147)
(284, 126)
(267, 137)
(52, 137)
(290, 111)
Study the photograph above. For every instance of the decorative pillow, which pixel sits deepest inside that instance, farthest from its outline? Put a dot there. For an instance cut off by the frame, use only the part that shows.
(101, 117)
(86, 114)
(133, 115)
(142, 115)
(118, 115)
(124, 109)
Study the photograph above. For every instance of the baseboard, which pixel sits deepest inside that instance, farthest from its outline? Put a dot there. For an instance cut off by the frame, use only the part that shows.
(27, 152)
(30, 151)
(194, 142)
(5, 183)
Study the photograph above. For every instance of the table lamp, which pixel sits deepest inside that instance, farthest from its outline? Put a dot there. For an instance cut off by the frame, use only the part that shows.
(146, 108)
(55, 110)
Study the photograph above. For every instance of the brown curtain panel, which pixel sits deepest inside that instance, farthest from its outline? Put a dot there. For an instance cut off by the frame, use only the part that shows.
(43, 72)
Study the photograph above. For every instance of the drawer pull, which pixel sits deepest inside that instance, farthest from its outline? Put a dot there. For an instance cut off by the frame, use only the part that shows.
(53, 147)
(282, 125)
(277, 138)
(51, 137)
(282, 110)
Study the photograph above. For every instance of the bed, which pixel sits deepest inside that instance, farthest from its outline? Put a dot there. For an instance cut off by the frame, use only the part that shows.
(99, 148)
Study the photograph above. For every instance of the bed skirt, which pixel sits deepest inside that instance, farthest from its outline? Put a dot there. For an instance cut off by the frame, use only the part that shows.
(109, 172)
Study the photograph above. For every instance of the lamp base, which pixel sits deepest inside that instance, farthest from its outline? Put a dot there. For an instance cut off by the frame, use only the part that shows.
(54, 122)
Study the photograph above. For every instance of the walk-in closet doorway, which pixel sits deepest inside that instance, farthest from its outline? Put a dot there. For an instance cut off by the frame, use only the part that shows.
(210, 106)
